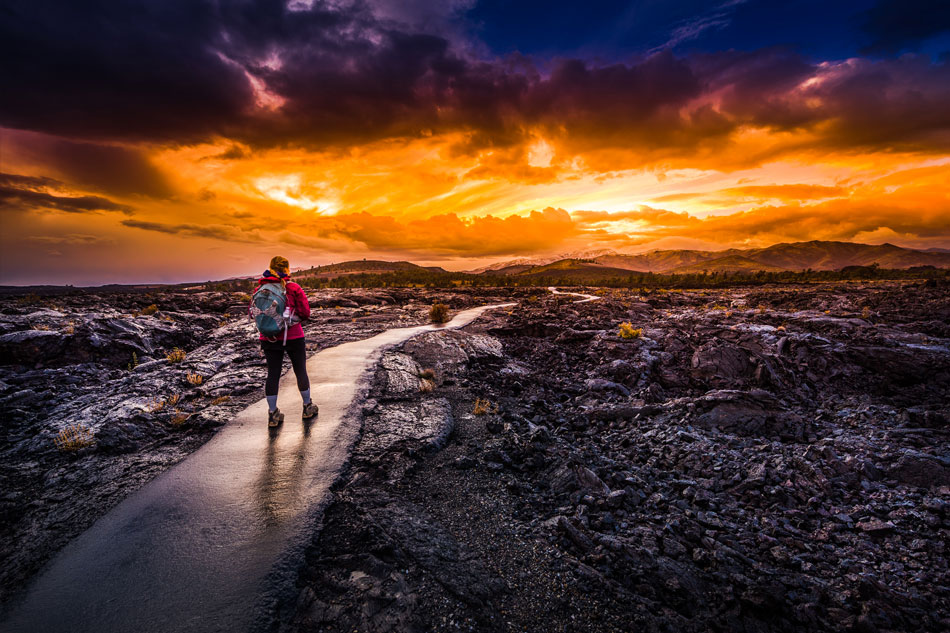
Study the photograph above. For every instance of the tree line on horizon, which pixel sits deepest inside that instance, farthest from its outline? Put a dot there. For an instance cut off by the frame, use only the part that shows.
(706, 279)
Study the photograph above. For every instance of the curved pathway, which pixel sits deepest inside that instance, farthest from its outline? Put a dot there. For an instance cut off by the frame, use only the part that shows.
(574, 294)
(215, 543)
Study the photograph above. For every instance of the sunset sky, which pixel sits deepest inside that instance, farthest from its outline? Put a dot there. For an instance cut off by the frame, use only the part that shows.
(179, 140)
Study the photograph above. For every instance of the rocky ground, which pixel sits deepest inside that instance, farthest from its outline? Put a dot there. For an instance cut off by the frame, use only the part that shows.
(773, 459)
(104, 367)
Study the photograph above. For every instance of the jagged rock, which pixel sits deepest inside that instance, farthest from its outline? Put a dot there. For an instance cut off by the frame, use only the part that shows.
(399, 375)
(599, 384)
(873, 526)
(30, 347)
(754, 412)
(721, 364)
(427, 423)
(447, 351)
(921, 469)
(581, 540)
(588, 480)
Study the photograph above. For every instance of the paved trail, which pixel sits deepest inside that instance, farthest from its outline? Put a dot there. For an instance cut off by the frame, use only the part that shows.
(214, 544)
(574, 294)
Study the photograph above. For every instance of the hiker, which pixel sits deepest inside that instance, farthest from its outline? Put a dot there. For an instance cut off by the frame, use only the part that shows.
(278, 306)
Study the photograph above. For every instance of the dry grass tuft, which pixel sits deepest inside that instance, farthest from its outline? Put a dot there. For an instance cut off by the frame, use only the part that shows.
(220, 400)
(162, 404)
(178, 418)
(627, 331)
(152, 309)
(74, 437)
(195, 379)
(439, 313)
(176, 355)
(427, 374)
(866, 313)
(484, 407)
(426, 386)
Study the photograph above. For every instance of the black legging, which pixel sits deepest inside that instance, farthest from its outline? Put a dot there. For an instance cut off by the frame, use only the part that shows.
(274, 353)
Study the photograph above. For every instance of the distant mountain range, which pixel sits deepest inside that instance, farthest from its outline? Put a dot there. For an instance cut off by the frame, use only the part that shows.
(796, 256)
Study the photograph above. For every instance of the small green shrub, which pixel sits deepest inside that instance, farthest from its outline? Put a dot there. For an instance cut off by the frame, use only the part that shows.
(627, 331)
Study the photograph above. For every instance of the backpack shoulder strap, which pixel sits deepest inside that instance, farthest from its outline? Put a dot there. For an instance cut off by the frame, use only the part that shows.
(274, 288)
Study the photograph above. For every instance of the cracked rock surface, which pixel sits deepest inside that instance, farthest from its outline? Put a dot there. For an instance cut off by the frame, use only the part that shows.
(97, 361)
(769, 459)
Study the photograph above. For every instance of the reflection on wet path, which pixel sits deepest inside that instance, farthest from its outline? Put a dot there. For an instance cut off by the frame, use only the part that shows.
(214, 543)
(281, 476)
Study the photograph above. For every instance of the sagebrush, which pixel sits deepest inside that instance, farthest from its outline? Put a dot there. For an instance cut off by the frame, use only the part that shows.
(439, 313)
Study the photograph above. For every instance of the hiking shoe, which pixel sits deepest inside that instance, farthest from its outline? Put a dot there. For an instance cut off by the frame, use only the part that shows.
(274, 418)
(310, 410)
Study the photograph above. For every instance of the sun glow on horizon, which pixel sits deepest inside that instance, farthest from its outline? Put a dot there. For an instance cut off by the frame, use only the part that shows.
(336, 130)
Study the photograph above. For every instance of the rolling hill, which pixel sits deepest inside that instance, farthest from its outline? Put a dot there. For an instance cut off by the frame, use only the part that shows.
(727, 264)
(579, 270)
(796, 256)
(361, 266)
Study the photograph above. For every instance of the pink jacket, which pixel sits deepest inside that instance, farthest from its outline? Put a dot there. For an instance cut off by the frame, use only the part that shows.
(296, 301)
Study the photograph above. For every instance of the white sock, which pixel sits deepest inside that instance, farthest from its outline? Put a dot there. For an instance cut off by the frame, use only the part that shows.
(271, 403)
(305, 394)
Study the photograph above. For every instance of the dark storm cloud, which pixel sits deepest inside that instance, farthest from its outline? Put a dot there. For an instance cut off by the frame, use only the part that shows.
(23, 193)
(117, 170)
(227, 232)
(117, 69)
(180, 71)
(895, 25)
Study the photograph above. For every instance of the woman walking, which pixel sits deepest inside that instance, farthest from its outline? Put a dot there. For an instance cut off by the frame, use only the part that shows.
(278, 306)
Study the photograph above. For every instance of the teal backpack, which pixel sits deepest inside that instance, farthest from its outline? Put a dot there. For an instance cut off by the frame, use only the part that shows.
(267, 310)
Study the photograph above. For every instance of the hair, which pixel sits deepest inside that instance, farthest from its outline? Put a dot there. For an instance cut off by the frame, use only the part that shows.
(280, 264)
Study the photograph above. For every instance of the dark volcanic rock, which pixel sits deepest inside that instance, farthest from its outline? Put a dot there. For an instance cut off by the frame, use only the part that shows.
(98, 363)
(721, 364)
(921, 469)
(773, 464)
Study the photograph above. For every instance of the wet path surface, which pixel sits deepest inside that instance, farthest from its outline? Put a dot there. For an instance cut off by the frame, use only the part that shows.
(585, 299)
(214, 543)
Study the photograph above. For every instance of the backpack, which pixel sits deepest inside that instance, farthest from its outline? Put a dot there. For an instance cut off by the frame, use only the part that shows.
(267, 309)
